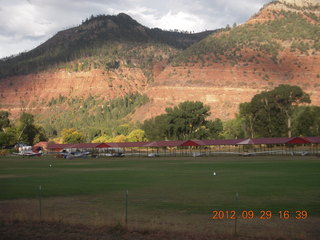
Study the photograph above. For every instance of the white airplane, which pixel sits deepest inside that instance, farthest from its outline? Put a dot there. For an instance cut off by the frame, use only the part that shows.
(26, 151)
(119, 154)
(152, 155)
(70, 155)
(198, 154)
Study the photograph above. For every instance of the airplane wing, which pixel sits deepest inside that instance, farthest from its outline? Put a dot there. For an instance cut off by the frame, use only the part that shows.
(28, 154)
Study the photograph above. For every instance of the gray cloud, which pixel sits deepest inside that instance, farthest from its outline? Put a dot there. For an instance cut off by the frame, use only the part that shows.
(24, 24)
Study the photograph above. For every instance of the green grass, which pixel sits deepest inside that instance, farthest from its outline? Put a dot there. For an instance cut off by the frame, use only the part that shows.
(173, 193)
(171, 184)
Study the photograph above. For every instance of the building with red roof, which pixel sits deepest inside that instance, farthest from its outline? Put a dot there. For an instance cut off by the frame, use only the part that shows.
(40, 145)
(185, 147)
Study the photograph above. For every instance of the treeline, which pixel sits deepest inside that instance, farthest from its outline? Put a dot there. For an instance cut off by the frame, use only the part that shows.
(126, 133)
(92, 116)
(23, 130)
(281, 112)
(74, 120)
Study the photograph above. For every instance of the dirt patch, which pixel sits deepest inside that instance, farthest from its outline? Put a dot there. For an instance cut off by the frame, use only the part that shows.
(20, 230)
(81, 215)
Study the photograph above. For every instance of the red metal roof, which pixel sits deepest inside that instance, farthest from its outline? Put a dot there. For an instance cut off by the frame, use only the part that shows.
(192, 143)
(313, 139)
(152, 144)
(258, 141)
(129, 144)
(41, 144)
(59, 146)
(165, 144)
(90, 145)
(221, 142)
(298, 140)
(283, 140)
(78, 145)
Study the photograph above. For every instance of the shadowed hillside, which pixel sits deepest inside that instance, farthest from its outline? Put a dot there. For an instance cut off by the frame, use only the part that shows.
(106, 40)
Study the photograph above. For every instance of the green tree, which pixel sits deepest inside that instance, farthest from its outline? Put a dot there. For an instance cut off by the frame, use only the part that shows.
(233, 129)
(214, 128)
(123, 129)
(27, 129)
(137, 135)
(287, 98)
(102, 139)
(248, 118)
(71, 135)
(41, 134)
(269, 114)
(3, 139)
(27, 119)
(156, 128)
(9, 136)
(4, 120)
(186, 119)
(307, 121)
(269, 120)
(119, 138)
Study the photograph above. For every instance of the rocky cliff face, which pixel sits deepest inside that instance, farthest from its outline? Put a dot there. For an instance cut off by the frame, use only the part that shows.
(300, 3)
(33, 92)
(223, 87)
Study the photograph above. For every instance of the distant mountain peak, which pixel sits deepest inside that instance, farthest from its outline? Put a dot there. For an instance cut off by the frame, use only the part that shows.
(125, 16)
(121, 17)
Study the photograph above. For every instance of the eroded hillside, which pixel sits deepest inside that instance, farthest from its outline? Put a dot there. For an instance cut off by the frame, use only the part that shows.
(279, 45)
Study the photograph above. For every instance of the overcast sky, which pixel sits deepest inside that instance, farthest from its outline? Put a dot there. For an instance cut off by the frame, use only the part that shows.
(24, 24)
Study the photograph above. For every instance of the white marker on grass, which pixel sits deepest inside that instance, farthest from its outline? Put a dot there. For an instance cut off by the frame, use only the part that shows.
(214, 174)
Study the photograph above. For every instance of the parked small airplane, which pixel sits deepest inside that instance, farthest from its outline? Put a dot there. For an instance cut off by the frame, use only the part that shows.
(70, 155)
(119, 154)
(113, 152)
(152, 155)
(26, 151)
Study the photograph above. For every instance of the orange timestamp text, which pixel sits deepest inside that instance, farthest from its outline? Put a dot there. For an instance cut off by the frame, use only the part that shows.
(262, 214)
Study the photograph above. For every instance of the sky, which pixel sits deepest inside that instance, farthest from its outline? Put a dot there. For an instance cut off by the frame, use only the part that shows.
(25, 24)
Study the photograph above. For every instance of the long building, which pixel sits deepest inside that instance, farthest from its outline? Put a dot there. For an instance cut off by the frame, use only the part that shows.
(258, 146)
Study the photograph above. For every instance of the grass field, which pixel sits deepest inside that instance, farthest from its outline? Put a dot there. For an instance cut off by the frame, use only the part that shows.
(166, 193)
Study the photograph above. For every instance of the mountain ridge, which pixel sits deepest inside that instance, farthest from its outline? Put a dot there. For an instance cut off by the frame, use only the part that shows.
(90, 39)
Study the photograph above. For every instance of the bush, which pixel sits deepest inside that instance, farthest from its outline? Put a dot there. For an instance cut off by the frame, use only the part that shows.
(4, 152)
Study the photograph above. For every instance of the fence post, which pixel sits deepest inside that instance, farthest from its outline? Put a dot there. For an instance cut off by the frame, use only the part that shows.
(40, 203)
(126, 209)
(236, 219)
